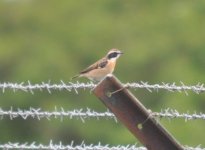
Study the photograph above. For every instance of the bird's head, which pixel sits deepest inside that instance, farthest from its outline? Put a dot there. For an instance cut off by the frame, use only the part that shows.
(114, 54)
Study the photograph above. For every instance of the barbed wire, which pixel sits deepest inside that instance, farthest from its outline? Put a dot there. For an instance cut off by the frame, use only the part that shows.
(29, 87)
(193, 148)
(173, 113)
(71, 146)
(81, 114)
(172, 87)
(84, 114)
(82, 146)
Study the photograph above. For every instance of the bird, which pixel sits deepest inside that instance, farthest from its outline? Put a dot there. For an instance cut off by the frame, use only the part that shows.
(100, 69)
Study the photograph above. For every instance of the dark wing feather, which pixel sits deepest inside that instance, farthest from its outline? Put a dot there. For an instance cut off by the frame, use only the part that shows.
(99, 64)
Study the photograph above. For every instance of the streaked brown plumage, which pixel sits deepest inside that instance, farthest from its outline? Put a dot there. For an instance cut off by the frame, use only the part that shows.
(101, 68)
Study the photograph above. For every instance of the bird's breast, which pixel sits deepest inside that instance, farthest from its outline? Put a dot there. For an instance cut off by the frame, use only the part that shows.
(110, 66)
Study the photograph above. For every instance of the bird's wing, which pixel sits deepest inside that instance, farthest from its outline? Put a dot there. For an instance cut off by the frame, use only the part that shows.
(99, 64)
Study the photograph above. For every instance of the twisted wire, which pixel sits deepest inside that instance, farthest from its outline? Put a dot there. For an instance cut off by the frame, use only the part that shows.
(84, 114)
(82, 146)
(60, 146)
(29, 87)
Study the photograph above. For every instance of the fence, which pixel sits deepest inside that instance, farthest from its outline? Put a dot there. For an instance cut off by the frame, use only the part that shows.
(83, 114)
(82, 146)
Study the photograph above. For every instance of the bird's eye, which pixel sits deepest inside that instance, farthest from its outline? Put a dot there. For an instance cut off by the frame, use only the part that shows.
(112, 55)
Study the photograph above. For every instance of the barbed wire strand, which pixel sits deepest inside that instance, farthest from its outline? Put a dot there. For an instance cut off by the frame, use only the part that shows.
(84, 114)
(71, 146)
(172, 87)
(82, 146)
(173, 113)
(193, 148)
(29, 87)
(81, 114)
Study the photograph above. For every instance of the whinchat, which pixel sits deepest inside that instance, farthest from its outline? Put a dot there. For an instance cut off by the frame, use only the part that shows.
(98, 71)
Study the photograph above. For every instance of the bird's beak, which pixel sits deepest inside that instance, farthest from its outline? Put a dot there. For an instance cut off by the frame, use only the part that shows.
(121, 53)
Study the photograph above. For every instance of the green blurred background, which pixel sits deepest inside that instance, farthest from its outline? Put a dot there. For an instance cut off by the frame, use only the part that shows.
(43, 40)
